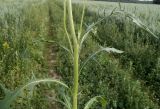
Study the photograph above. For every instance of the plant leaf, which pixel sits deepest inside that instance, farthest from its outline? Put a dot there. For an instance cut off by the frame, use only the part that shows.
(65, 97)
(82, 19)
(67, 102)
(111, 50)
(95, 99)
(61, 102)
(89, 29)
(60, 45)
(107, 49)
(137, 22)
(65, 27)
(10, 96)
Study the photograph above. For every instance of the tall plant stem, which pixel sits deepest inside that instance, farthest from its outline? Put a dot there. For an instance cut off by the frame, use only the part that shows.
(76, 76)
(65, 27)
(73, 33)
(76, 57)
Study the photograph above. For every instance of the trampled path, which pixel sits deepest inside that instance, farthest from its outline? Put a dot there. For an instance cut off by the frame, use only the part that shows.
(51, 58)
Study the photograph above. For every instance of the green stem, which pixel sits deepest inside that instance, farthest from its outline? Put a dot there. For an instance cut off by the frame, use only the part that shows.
(76, 76)
(82, 18)
(76, 57)
(65, 28)
(73, 33)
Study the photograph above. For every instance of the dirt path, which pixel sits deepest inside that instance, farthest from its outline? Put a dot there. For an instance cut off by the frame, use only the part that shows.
(51, 58)
(52, 50)
(51, 61)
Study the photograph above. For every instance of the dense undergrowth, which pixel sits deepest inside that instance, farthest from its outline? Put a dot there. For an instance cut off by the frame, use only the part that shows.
(22, 25)
(141, 49)
(114, 75)
(128, 81)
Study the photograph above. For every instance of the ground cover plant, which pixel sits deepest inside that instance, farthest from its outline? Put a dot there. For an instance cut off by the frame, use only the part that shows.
(115, 101)
(20, 60)
(107, 75)
(148, 97)
(141, 49)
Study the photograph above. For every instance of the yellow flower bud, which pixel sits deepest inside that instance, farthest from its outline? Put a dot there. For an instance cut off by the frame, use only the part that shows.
(5, 45)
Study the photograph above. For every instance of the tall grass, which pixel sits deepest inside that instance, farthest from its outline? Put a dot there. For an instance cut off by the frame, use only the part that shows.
(22, 24)
(121, 90)
(105, 37)
(141, 49)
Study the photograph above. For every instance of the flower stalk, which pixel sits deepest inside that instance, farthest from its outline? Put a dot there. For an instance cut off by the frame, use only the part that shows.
(75, 55)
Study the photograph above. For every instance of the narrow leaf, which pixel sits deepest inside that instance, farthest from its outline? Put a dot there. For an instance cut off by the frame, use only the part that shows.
(111, 50)
(96, 99)
(60, 45)
(65, 27)
(107, 49)
(61, 102)
(67, 102)
(137, 22)
(82, 18)
(89, 29)
(11, 96)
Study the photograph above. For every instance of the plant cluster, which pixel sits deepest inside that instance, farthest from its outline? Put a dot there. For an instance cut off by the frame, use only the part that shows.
(122, 81)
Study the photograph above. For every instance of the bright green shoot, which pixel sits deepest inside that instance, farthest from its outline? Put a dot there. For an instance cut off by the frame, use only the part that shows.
(75, 43)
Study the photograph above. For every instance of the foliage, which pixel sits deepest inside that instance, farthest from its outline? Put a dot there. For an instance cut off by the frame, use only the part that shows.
(22, 24)
(128, 81)
(140, 48)
(126, 89)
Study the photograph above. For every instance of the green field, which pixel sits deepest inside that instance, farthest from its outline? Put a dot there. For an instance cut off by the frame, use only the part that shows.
(147, 13)
(115, 61)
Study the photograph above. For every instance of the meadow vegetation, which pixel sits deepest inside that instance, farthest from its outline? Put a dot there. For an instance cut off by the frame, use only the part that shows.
(127, 81)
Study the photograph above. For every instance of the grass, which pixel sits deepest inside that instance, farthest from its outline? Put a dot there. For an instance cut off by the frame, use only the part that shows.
(127, 81)
(21, 32)
(147, 13)
(141, 52)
